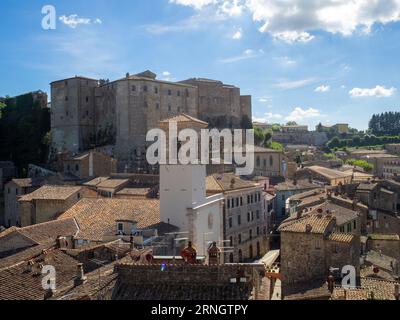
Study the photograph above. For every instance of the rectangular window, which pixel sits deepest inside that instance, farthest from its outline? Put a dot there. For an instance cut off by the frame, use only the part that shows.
(133, 88)
(237, 202)
(239, 238)
(155, 90)
(145, 88)
(230, 223)
(178, 93)
(318, 244)
(169, 92)
(120, 227)
(239, 220)
(355, 224)
(258, 214)
(229, 203)
(251, 234)
(241, 201)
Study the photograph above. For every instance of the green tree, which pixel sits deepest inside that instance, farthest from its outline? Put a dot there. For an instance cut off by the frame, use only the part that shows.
(246, 123)
(23, 127)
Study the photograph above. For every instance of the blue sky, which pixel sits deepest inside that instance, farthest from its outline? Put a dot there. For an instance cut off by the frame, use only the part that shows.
(300, 60)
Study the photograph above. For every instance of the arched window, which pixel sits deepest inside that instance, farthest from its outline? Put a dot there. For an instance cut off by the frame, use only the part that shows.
(240, 256)
(251, 252)
(231, 258)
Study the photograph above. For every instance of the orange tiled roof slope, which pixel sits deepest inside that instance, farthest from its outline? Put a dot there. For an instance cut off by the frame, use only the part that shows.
(98, 217)
(318, 224)
(51, 193)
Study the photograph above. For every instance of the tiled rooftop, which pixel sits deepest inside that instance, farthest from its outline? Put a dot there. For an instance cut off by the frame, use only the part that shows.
(98, 217)
(329, 173)
(217, 183)
(318, 223)
(19, 284)
(341, 237)
(112, 183)
(184, 118)
(27, 183)
(51, 193)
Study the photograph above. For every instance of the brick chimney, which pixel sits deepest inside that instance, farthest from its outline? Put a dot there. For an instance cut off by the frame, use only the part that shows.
(213, 254)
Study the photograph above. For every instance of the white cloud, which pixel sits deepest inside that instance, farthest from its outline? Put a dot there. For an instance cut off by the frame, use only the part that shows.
(287, 61)
(299, 114)
(268, 117)
(322, 89)
(293, 36)
(378, 92)
(247, 54)
(197, 4)
(286, 85)
(232, 8)
(295, 20)
(74, 21)
(264, 99)
(238, 34)
(166, 73)
(198, 21)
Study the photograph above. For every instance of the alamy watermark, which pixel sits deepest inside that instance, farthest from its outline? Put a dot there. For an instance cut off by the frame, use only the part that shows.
(188, 146)
(49, 21)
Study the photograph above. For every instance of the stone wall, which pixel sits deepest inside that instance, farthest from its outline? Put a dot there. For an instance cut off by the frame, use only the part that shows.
(174, 274)
(72, 113)
(389, 248)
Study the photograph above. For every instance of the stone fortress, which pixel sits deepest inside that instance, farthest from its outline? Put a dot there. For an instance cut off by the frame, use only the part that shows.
(88, 113)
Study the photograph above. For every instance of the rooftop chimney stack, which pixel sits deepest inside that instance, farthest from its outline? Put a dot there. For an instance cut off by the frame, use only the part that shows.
(213, 254)
(80, 275)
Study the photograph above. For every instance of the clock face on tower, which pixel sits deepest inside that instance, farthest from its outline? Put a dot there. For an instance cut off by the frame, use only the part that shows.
(210, 220)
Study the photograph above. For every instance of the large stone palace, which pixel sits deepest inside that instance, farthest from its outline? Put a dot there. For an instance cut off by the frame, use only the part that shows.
(88, 113)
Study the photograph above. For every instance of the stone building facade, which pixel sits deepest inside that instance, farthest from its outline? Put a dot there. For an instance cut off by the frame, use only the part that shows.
(46, 203)
(90, 164)
(13, 190)
(269, 163)
(310, 247)
(89, 112)
(245, 217)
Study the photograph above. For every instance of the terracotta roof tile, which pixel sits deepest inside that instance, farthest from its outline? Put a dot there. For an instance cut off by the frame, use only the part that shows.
(319, 224)
(51, 193)
(18, 284)
(341, 237)
(227, 182)
(184, 118)
(97, 217)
